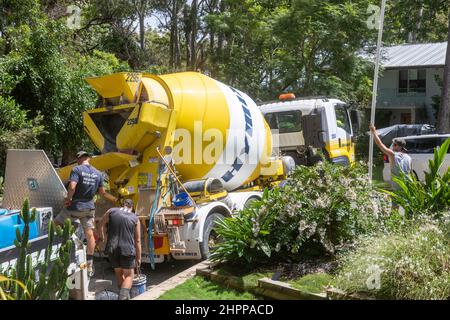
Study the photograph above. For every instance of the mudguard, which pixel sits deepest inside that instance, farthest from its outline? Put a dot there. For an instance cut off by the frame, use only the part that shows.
(240, 198)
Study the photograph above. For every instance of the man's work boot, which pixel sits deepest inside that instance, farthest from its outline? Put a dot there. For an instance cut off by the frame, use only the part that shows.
(90, 269)
(124, 294)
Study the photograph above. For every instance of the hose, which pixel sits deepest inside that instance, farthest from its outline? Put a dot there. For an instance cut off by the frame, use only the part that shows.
(153, 211)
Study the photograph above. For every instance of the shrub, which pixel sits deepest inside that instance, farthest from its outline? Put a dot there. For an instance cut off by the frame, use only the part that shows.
(433, 195)
(323, 207)
(411, 263)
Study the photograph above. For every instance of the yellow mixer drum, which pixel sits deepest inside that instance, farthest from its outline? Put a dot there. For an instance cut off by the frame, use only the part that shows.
(219, 133)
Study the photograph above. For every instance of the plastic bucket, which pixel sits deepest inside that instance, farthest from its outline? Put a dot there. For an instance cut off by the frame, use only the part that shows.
(139, 285)
(182, 200)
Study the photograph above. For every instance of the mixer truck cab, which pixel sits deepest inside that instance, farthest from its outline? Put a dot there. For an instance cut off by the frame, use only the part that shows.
(301, 126)
(187, 149)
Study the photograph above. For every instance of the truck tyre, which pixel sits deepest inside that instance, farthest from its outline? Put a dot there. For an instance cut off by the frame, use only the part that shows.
(249, 202)
(210, 237)
(297, 159)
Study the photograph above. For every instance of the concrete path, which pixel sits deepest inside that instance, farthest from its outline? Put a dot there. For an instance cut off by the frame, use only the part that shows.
(155, 292)
(166, 276)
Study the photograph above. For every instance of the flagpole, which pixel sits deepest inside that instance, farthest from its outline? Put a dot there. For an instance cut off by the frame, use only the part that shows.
(375, 85)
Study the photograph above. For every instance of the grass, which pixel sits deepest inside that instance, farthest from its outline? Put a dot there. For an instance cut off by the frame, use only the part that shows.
(247, 278)
(198, 288)
(313, 283)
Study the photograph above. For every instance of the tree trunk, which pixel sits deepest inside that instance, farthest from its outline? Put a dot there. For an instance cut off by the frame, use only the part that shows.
(187, 34)
(221, 37)
(193, 45)
(173, 34)
(67, 157)
(177, 45)
(443, 121)
(142, 30)
(413, 34)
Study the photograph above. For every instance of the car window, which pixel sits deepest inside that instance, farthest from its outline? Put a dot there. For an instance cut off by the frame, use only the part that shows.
(285, 122)
(271, 120)
(423, 145)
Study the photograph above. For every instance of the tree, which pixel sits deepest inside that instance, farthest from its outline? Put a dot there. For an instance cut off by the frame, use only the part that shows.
(49, 81)
(416, 21)
(142, 9)
(308, 47)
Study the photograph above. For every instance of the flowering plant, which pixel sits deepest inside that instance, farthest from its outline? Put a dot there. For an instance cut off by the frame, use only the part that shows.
(324, 207)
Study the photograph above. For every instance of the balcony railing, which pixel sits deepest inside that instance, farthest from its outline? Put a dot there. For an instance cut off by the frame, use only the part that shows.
(392, 98)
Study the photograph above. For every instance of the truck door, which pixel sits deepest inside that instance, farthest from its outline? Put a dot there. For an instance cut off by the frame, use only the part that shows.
(345, 150)
(313, 130)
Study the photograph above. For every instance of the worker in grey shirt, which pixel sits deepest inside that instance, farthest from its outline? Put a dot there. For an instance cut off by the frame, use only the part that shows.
(123, 244)
(398, 159)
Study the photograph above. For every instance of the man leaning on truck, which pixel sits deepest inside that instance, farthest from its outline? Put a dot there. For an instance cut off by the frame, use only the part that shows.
(85, 182)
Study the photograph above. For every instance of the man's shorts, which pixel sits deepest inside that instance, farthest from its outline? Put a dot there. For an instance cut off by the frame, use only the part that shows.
(119, 261)
(86, 217)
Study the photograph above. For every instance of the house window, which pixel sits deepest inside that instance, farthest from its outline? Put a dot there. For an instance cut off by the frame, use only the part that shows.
(412, 80)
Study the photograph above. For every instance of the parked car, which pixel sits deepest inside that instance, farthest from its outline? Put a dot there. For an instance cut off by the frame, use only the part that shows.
(420, 149)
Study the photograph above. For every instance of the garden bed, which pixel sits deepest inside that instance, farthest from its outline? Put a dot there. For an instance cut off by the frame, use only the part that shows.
(302, 281)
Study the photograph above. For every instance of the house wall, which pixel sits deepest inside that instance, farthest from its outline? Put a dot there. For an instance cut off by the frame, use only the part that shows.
(388, 80)
(432, 86)
(394, 104)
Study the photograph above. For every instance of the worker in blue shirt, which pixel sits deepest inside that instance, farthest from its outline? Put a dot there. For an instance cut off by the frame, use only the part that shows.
(84, 183)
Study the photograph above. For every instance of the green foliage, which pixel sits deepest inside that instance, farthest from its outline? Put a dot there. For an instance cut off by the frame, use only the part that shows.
(49, 283)
(314, 283)
(432, 195)
(321, 209)
(416, 21)
(412, 263)
(7, 282)
(42, 71)
(16, 131)
(304, 46)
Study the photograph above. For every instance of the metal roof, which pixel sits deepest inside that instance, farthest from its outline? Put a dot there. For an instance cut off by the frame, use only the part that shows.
(414, 55)
(308, 103)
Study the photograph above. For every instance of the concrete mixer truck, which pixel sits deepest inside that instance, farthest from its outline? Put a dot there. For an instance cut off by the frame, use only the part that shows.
(187, 149)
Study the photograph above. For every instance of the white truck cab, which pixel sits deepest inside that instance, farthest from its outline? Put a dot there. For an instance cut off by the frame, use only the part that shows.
(300, 125)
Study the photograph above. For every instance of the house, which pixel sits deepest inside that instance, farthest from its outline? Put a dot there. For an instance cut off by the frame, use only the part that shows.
(409, 83)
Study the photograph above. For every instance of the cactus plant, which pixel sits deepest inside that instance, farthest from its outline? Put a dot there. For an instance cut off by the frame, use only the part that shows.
(49, 282)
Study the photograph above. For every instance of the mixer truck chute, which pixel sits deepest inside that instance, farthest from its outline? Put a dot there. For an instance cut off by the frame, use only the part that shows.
(185, 133)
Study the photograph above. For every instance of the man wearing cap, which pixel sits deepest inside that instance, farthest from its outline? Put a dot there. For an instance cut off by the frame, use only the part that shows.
(398, 159)
(123, 245)
(84, 183)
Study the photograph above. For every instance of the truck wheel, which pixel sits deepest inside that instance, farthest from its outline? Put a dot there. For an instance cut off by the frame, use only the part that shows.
(210, 237)
(297, 159)
(250, 201)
